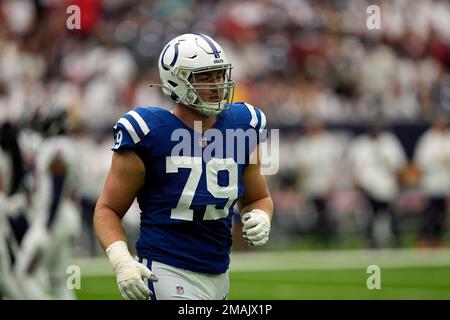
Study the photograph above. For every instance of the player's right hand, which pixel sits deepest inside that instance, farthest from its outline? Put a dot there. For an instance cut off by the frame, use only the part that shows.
(129, 272)
(130, 277)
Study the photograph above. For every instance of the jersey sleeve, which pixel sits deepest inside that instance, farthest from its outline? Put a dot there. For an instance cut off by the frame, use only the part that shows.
(129, 131)
(258, 121)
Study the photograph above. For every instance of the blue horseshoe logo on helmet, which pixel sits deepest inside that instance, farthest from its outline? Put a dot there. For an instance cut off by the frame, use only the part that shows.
(175, 57)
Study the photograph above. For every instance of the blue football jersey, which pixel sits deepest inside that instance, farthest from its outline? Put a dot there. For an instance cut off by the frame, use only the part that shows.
(192, 182)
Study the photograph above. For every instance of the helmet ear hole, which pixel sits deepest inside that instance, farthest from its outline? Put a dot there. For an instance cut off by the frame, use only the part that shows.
(173, 84)
(191, 97)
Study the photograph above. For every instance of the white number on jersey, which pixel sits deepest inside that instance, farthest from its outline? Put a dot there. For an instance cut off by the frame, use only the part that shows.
(230, 192)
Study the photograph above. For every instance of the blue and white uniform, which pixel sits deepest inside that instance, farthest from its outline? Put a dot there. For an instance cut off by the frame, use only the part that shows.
(187, 200)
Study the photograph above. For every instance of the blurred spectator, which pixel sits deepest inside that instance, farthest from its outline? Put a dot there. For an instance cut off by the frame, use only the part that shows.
(94, 160)
(288, 221)
(377, 158)
(432, 156)
(441, 93)
(318, 156)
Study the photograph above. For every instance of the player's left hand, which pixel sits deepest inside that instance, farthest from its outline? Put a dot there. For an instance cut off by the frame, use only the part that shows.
(256, 227)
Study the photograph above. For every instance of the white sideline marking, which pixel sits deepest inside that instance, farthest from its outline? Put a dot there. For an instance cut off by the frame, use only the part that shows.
(307, 260)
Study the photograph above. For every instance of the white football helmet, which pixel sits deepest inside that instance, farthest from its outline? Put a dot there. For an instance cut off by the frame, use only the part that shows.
(185, 57)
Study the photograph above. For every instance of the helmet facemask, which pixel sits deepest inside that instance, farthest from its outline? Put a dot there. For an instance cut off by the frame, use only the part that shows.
(197, 89)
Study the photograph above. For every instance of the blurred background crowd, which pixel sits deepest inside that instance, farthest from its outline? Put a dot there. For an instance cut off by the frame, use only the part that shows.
(364, 142)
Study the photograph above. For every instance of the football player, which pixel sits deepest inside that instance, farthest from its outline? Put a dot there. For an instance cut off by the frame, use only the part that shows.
(186, 197)
(13, 221)
(46, 250)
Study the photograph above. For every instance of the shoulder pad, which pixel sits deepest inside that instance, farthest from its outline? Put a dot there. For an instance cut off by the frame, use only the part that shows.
(131, 129)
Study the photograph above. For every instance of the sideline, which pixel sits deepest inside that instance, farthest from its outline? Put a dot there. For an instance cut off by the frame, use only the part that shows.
(307, 260)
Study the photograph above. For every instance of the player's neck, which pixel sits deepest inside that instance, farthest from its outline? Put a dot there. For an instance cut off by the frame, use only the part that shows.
(188, 116)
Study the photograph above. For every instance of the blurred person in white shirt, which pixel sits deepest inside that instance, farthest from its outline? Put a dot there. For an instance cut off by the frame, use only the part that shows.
(318, 156)
(432, 156)
(377, 158)
(399, 103)
(93, 165)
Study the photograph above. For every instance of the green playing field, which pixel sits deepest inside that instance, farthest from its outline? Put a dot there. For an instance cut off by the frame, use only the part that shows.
(398, 283)
(405, 274)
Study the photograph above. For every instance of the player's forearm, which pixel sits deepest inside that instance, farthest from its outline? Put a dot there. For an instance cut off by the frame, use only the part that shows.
(265, 204)
(108, 226)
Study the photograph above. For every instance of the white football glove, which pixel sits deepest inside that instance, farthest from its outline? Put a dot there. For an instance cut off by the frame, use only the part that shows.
(256, 227)
(129, 272)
